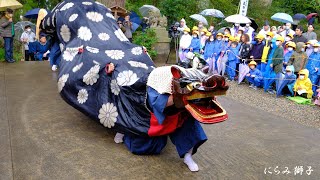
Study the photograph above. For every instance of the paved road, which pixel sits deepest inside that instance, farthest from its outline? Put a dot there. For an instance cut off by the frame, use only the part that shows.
(41, 137)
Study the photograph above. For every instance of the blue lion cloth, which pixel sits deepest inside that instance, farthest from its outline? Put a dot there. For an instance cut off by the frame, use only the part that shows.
(91, 39)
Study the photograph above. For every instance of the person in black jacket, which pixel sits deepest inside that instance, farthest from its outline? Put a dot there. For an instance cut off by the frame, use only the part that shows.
(245, 48)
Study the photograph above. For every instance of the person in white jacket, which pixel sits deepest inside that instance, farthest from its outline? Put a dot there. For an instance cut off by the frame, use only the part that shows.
(287, 30)
(26, 37)
(185, 42)
(183, 25)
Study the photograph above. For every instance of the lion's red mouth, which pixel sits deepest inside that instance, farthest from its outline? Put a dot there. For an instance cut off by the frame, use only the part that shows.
(206, 110)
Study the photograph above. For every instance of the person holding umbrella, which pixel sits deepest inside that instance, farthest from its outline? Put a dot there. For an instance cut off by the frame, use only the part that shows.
(287, 30)
(128, 25)
(7, 32)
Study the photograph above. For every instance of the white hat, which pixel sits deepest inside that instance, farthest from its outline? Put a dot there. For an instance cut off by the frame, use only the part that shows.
(183, 20)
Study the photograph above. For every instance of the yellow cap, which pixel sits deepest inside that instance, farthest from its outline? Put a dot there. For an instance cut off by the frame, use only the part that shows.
(291, 44)
(226, 35)
(220, 34)
(237, 39)
(270, 34)
(186, 29)
(260, 36)
(195, 32)
(195, 28)
(316, 45)
(204, 30)
(231, 38)
(252, 63)
(208, 34)
(290, 35)
(280, 38)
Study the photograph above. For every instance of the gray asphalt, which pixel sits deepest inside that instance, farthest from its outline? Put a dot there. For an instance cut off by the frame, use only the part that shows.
(41, 137)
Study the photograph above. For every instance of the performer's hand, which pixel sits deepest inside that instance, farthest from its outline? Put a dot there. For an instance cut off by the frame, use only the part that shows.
(253, 76)
(271, 65)
(110, 68)
(248, 75)
(170, 101)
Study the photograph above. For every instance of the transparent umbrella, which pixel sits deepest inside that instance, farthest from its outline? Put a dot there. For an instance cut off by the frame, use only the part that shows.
(19, 28)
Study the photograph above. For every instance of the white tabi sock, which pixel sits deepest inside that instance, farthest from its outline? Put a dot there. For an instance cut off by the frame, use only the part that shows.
(118, 138)
(189, 162)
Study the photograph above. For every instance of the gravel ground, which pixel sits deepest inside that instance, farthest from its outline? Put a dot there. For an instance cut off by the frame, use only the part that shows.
(303, 114)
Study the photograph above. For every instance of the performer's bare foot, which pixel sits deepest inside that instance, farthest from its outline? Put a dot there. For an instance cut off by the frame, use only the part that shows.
(190, 162)
(118, 138)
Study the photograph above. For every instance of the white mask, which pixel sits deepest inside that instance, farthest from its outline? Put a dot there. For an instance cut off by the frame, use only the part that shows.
(278, 43)
(290, 49)
(301, 77)
(308, 45)
(28, 30)
(287, 27)
(226, 39)
(186, 33)
(289, 73)
(195, 35)
(202, 33)
(248, 25)
(316, 49)
(288, 39)
(211, 39)
(302, 49)
(237, 24)
(268, 38)
(219, 38)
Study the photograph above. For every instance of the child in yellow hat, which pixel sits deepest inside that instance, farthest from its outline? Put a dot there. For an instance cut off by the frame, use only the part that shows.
(254, 76)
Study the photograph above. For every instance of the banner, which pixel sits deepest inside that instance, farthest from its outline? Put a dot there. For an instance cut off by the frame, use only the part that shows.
(244, 7)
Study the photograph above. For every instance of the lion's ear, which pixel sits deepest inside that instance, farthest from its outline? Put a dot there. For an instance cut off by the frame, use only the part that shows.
(176, 73)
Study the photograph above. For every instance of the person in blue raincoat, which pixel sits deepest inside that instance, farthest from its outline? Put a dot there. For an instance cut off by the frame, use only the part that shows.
(218, 45)
(42, 48)
(269, 74)
(195, 45)
(233, 52)
(208, 48)
(254, 76)
(286, 82)
(291, 46)
(313, 66)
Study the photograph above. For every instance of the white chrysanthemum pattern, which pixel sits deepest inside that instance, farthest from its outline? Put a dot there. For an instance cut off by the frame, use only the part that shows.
(67, 6)
(73, 17)
(115, 89)
(115, 54)
(127, 78)
(120, 35)
(137, 51)
(84, 33)
(92, 49)
(82, 96)
(138, 64)
(94, 16)
(92, 76)
(65, 33)
(77, 67)
(104, 36)
(62, 81)
(108, 115)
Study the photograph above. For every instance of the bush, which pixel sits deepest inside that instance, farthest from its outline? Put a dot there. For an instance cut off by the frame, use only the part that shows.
(146, 39)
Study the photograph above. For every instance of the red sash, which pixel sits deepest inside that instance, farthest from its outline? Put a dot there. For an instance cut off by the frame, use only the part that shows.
(169, 125)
